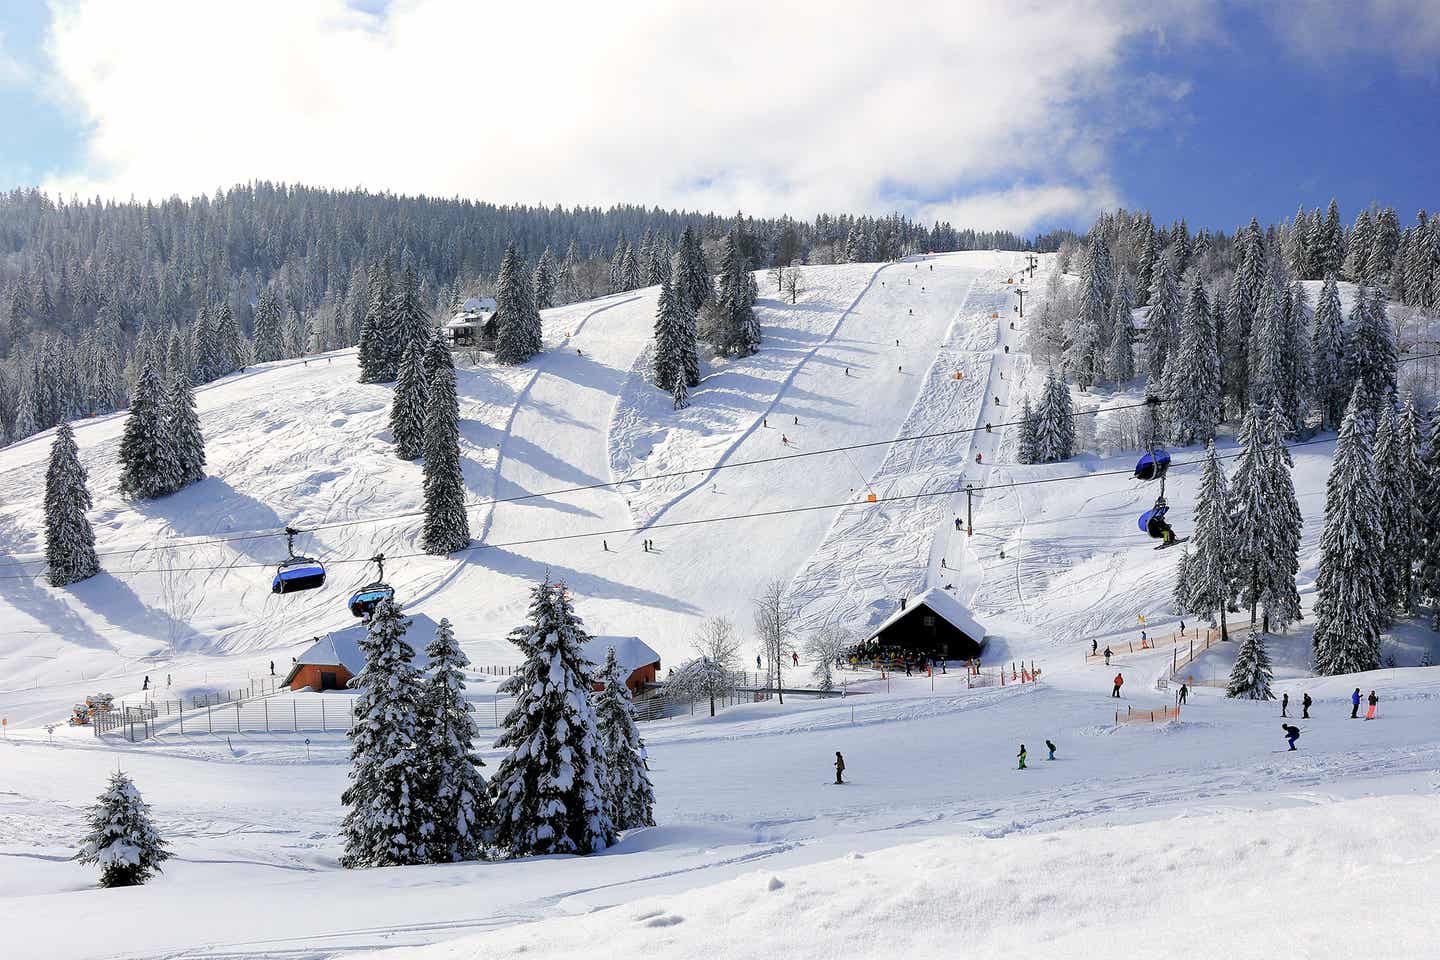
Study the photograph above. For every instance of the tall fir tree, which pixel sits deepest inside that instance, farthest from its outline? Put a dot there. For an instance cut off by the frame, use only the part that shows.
(1327, 356)
(447, 526)
(1250, 677)
(147, 461)
(544, 281)
(630, 799)
(409, 405)
(690, 275)
(548, 791)
(737, 332)
(455, 790)
(1194, 372)
(1407, 544)
(187, 443)
(676, 354)
(387, 822)
(1349, 611)
(69, 538)
(1394, 488)
(122, 836)
(1370, 349)
(518, 332)
(1211, 570)
(410, 320)
(379, 343)
(1026, 446)
(1084, 330)
(1162, 326)
(269, 327)
(1120, 358)
(1265, 537)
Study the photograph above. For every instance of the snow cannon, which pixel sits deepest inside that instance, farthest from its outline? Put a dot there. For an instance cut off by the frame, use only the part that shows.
(1152, 465)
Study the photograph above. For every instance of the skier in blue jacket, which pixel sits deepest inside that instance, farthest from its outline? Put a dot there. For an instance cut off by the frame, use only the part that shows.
(1355, 704)
(1292, 733)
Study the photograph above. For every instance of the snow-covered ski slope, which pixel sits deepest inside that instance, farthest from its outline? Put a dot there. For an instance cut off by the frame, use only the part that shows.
(871, 354)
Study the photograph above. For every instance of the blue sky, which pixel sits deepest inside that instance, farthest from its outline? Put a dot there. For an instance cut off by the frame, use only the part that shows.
(1211, 110)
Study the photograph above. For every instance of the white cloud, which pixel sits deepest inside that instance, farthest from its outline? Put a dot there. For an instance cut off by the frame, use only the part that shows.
(12, 71)
(754, 105)
(1406, 31)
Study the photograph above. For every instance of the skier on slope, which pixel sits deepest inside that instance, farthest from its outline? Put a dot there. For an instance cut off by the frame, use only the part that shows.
(1107, 656)
(1292, 733)
(1119, 682)
(1305, 707)
(1374, 701)
(1184, 693)
(1284, 705)
(839, 767)
(1355, 704)
(1050, 745)
(794, 659)
(1021, 757)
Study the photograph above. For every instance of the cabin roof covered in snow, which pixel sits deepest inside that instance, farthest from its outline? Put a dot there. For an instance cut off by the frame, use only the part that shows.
(945, 606)
(343, 646)
(631, 653)
(474, 311)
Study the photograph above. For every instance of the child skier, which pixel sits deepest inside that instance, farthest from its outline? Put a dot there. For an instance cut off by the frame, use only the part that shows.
(1373, 700)
(1292, 733)
(1051, 747)
(1021, 756)
(839, 767)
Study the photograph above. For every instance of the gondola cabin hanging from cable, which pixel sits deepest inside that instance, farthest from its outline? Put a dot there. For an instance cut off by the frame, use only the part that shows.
(1152, 465)
(297, 573)
(364, 601)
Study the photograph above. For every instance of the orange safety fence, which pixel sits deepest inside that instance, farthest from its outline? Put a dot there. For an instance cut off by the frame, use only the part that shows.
(1191, 635)
(1131, 715)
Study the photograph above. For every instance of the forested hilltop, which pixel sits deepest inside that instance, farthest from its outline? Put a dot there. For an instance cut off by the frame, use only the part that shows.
(83, 283)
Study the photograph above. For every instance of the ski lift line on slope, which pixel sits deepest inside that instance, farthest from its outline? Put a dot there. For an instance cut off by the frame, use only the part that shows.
(179, 544)
(618, 531)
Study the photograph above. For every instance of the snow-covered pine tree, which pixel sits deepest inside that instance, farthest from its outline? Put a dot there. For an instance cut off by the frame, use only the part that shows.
(1298, 323)
(1265, 538)
(269, 327)
(1084, 330)
(1250, 677)
(630, 799)
(378, 340)
(122, 838)
(1272, 371)
(1384, 242)
(1195, 377)
(1180, 594)
(229, 350)
(617, 265)
(1026, 446)
(1327, 356)
(631, 275)
(679, 394)
(69, 539)
(1054, 425)
(690, 275)
(547, 793)
(455, 790)
(675, 348)
(567, 278)
(736, 333)
(1394, 489)
(1370, 349)
(410, 320)
(409, 405)
(186, 442)
(1210, 571)
(544, 281)
(387, 822)
(1145, 266)
(1330, 243)
(1162, 327)
(1349, 611)
(447, 527)
(517, 321)
(147, 460)
(1357, 251)
(1407, 543)
(1120, 359)
(437, 355)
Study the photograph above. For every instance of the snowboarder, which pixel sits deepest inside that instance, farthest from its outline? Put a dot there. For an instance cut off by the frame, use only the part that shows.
(1119, 682)
(1050, 745)
(1305, 707)
(1284, 704)
(1021, 757)
(1107, 656)
(839, 767)
(1184, 693)
(784, 440)
(1373, 701)
(1355, 704)
(1292, 733)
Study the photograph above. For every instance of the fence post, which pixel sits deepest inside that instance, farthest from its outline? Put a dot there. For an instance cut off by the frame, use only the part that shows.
(322, 714)
(266, 704)
(295, 715)
(237, 716)
(181, 710)
(209, 721)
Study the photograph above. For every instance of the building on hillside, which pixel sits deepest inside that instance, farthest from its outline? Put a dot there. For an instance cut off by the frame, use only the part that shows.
(332, 661)
(639, 663)
(933, 624)
(473, 324)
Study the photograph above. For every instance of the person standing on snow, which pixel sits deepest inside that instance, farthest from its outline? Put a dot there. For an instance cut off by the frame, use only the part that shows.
(1119, 682)
(839, 767)
(1051, 747)
(1292, 733)
(1021, 757)
(1094, 646)
(1107, 656)
(1305, 707)
(1355, 704)
(794, 659)
(1184, 693)
(757, 661)
(1284, 704)
(1374, 700)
